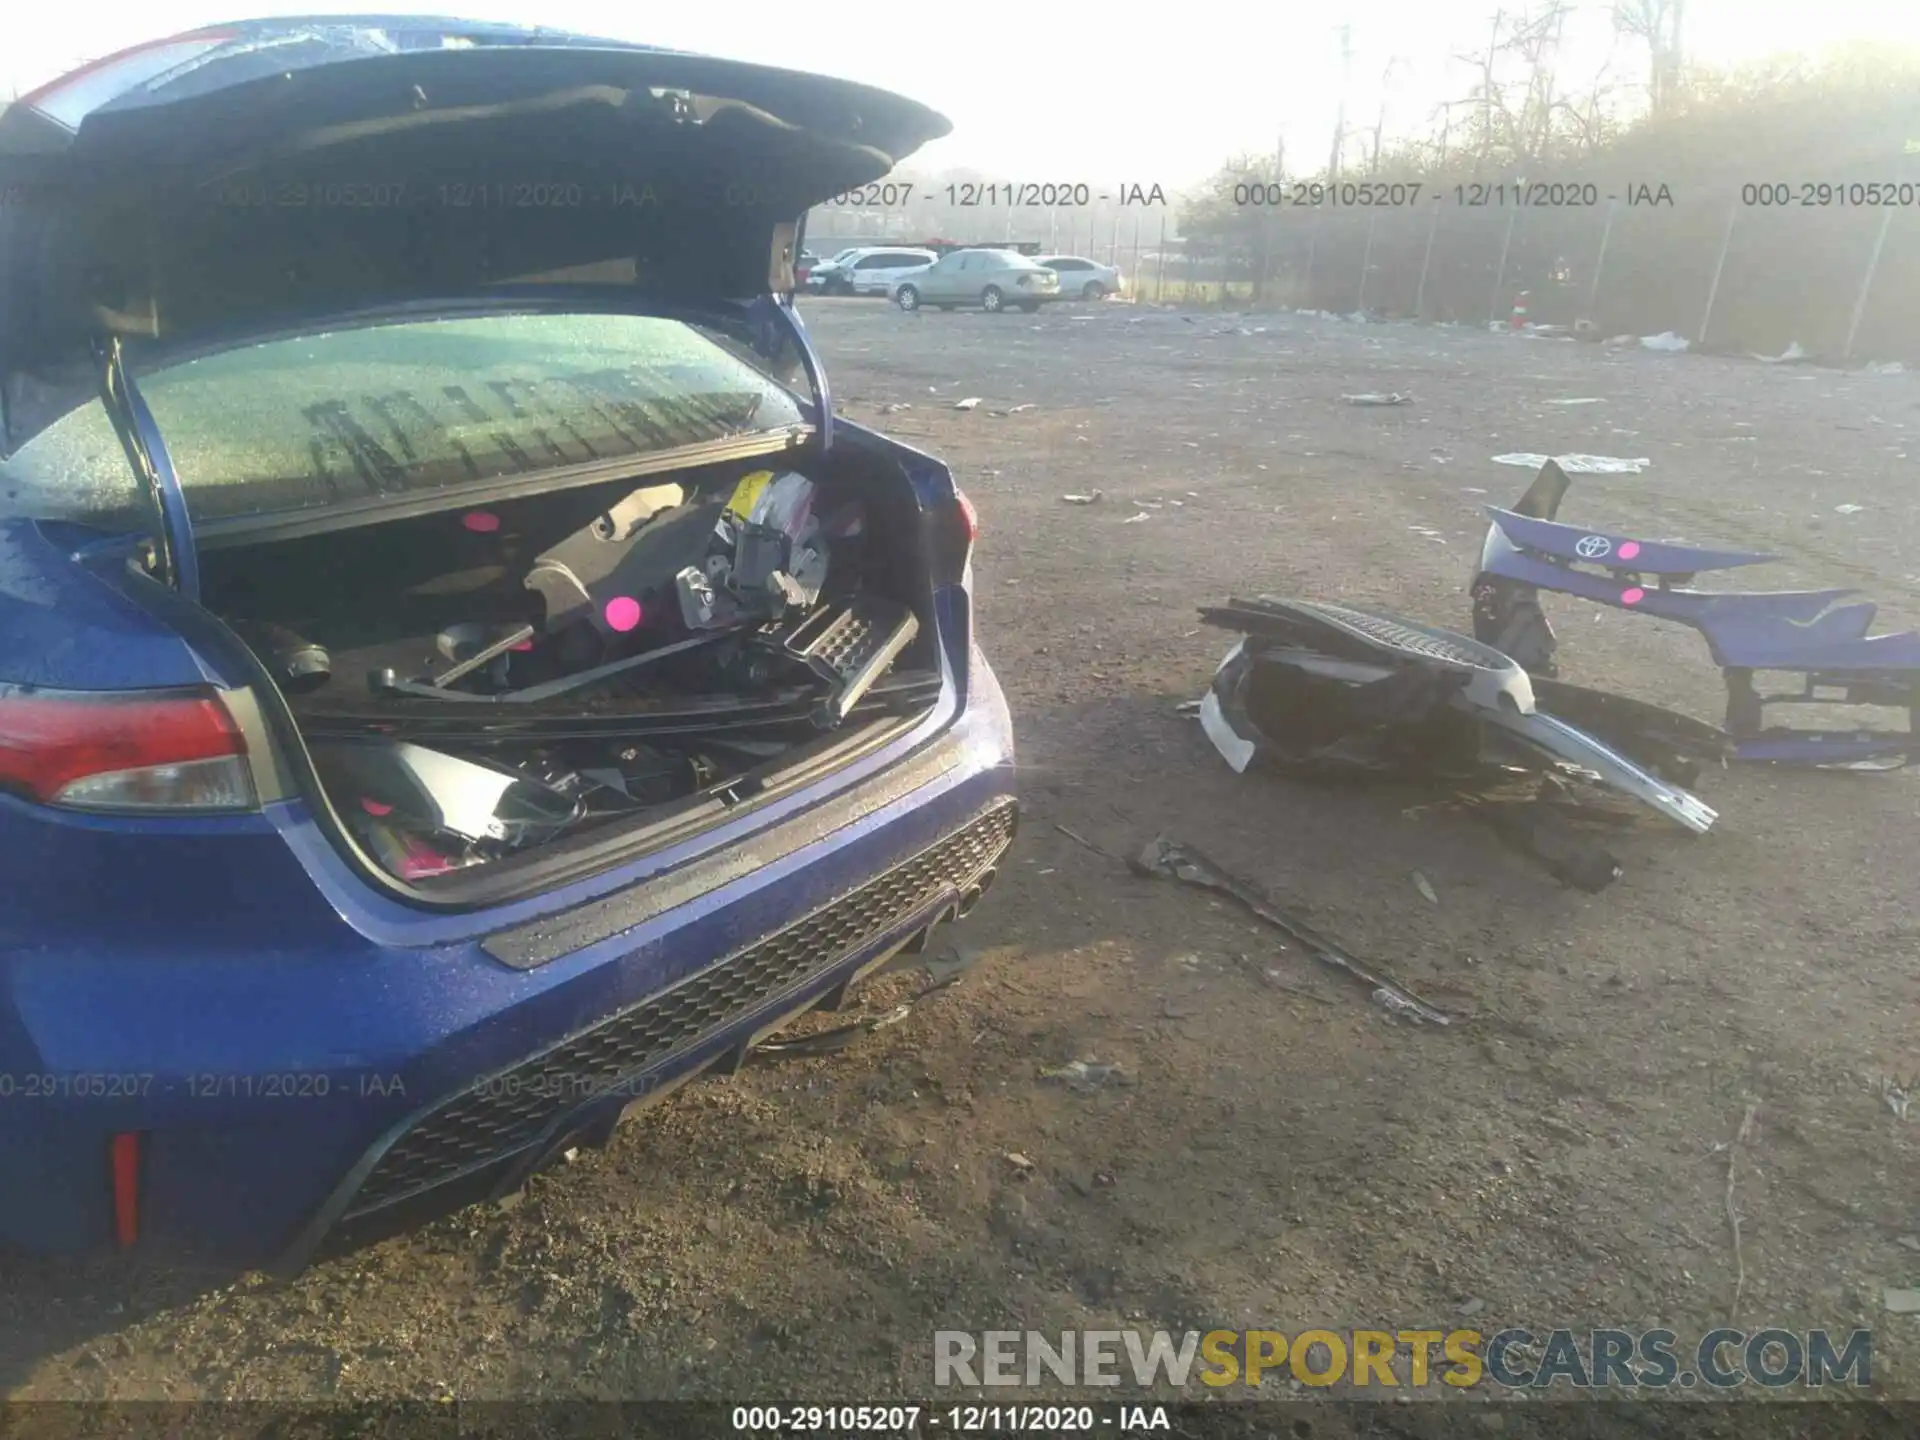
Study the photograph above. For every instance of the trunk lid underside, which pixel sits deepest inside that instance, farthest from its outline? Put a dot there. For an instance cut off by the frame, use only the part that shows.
(301, 169)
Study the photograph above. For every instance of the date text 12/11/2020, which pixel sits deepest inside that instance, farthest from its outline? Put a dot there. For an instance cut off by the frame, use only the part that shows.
(1028, 195)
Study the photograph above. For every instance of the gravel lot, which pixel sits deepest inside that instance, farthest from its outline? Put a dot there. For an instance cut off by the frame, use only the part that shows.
(1276, 1150)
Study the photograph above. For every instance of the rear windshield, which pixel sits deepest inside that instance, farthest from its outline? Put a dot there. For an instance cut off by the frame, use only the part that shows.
(302, 423)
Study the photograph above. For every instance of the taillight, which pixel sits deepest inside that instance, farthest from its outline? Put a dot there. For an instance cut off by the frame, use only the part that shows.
(951, 531)
(969, 517)
(138, 751)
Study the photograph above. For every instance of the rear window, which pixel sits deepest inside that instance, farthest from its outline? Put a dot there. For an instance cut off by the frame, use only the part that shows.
(301, 423)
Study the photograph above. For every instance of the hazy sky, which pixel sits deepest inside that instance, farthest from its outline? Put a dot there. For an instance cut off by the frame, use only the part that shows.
(1089, 91)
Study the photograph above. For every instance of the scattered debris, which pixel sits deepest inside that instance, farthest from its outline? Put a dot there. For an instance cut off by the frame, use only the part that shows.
(1398, 1005)
(1425, 887)
(1908, 1242)
(1792, 355)
(1165, 859)
(1578, 464)
(1377, 398)
(1333, 690)
(1539, 828)
(1021, 409)
(1666, 341)
(1270, 978)
(1187, 707)
(1902, 1301)
(831, 1042)
(1471, 1307)
(1579, 400)
(1886, 367)
(895, 407)
(1848, 509)
(1898, 1096)
(1021, 1164)
(1136, 519)
(1081, 840)
(1091, 498)
(1811, 633)
(1085, 1074)
(1741, 1136)
(968, 404)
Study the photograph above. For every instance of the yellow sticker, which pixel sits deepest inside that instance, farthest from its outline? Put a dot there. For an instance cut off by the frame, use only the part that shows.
(747, 494)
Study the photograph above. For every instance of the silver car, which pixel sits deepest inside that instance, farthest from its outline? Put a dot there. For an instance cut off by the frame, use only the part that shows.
(1084, 279)
(991, 279)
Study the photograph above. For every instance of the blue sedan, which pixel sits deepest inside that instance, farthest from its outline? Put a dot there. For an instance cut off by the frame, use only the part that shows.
(458, 678)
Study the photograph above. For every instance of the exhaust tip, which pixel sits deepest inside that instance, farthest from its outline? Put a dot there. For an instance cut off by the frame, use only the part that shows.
(973, 895)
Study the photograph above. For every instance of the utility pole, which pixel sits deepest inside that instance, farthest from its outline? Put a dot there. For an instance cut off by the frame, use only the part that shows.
(1340, 122)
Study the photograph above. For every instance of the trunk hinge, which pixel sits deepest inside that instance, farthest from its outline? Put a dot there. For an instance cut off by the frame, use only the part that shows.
(175, 560)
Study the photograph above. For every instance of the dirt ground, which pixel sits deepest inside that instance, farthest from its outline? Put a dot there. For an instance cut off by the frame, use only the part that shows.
(1276, 1149)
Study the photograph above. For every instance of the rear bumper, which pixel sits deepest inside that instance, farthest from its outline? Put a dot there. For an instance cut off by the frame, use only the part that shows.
(416, 1080)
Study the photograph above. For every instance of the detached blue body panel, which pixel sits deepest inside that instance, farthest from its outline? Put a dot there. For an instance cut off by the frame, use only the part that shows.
(1821, 636)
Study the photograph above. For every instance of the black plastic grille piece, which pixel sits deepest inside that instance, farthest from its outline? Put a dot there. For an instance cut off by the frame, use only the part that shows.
(1418, 640)
(513, 1108)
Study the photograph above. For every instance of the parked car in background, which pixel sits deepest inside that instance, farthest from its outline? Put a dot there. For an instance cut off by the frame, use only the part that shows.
(359, 860)
(822, 271)
(1083, 279)
(991, 279)
(803, 267)
(873, 271)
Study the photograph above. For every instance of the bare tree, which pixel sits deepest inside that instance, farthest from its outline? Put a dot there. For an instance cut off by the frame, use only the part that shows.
(1659, 24)
(1380, 117)
(1340, 121)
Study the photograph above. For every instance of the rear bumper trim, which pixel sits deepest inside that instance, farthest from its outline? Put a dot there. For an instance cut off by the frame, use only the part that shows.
(520, 1108)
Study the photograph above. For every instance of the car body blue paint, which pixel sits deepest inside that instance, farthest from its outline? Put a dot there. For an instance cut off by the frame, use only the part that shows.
(65, 628)
(238, 992)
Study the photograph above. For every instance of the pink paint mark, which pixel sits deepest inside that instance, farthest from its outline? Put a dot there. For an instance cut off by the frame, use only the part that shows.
(374, 807)
(1629, 549)
(481, 522)
(420, 861)
(623, 612)
(522, 647)
(1632, 596)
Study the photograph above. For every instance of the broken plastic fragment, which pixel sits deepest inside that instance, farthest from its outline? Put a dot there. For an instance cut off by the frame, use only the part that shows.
(967, 404)
(1578, 464)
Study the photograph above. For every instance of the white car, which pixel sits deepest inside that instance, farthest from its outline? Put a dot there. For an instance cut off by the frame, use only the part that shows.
(870, 270)
(1083, 279)
(822, 271)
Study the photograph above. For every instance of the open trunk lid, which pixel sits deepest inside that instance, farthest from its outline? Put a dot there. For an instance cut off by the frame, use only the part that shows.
(259, 176)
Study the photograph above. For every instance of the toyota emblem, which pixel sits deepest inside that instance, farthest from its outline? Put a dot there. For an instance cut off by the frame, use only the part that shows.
(1592, 547)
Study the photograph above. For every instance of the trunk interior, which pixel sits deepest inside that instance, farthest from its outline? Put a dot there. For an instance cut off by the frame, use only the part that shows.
(491, 680)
